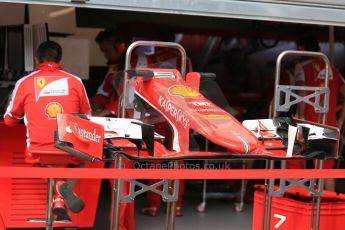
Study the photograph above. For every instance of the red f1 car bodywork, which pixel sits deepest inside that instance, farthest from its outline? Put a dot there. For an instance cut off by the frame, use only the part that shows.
(186, 109)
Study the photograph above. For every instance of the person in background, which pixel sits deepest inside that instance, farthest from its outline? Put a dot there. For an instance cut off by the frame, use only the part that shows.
(36, 99)
(311, 72)
(168, 58)
(113, 45)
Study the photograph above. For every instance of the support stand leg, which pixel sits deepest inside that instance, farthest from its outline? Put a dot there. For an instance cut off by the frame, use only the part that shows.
(316, 224)
(264, 203)
(239, 205)
(202, 206)
(170, 219)
(269, 199)
(171, 206)
(116, 194)
(49, 213)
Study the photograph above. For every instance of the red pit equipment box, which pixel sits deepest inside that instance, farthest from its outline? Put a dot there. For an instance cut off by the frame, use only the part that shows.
(293, 210)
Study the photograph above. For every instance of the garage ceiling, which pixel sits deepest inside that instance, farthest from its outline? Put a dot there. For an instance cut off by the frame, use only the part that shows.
(319, 12)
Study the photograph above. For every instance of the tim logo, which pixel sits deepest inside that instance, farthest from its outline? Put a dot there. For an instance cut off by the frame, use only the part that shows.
(200, 103)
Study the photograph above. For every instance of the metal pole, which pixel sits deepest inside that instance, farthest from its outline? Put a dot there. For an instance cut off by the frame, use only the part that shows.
(170, 223)
(319, 198)
(204, 187)
(312, 217)
(49, 214)
(113, 194)
(324, 119)
(268, 162)
(171, 206)
(167, 219)
(264, 206)
(269, 205)
(204, 194)
(116, 195)
(239, 207)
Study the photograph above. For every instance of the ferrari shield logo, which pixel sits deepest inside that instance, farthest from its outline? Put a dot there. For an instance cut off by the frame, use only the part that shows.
(51, 86)
(41, 82)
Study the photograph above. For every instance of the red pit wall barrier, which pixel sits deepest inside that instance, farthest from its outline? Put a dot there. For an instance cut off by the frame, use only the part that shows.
(96, 173)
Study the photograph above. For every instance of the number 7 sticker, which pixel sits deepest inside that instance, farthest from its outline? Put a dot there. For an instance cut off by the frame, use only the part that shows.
(281, 218)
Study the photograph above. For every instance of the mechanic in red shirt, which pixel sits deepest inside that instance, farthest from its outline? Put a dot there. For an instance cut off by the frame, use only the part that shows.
(112, 43)
(36, 99)
(311, 72)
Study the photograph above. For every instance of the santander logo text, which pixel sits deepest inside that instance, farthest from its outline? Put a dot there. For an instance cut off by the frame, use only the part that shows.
(83, 133)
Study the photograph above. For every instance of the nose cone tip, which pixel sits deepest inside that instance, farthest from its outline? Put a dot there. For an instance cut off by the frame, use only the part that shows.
(246, 144)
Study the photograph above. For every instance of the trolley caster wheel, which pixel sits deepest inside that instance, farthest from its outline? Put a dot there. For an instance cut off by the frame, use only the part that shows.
(201, 207)
(238, 207)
